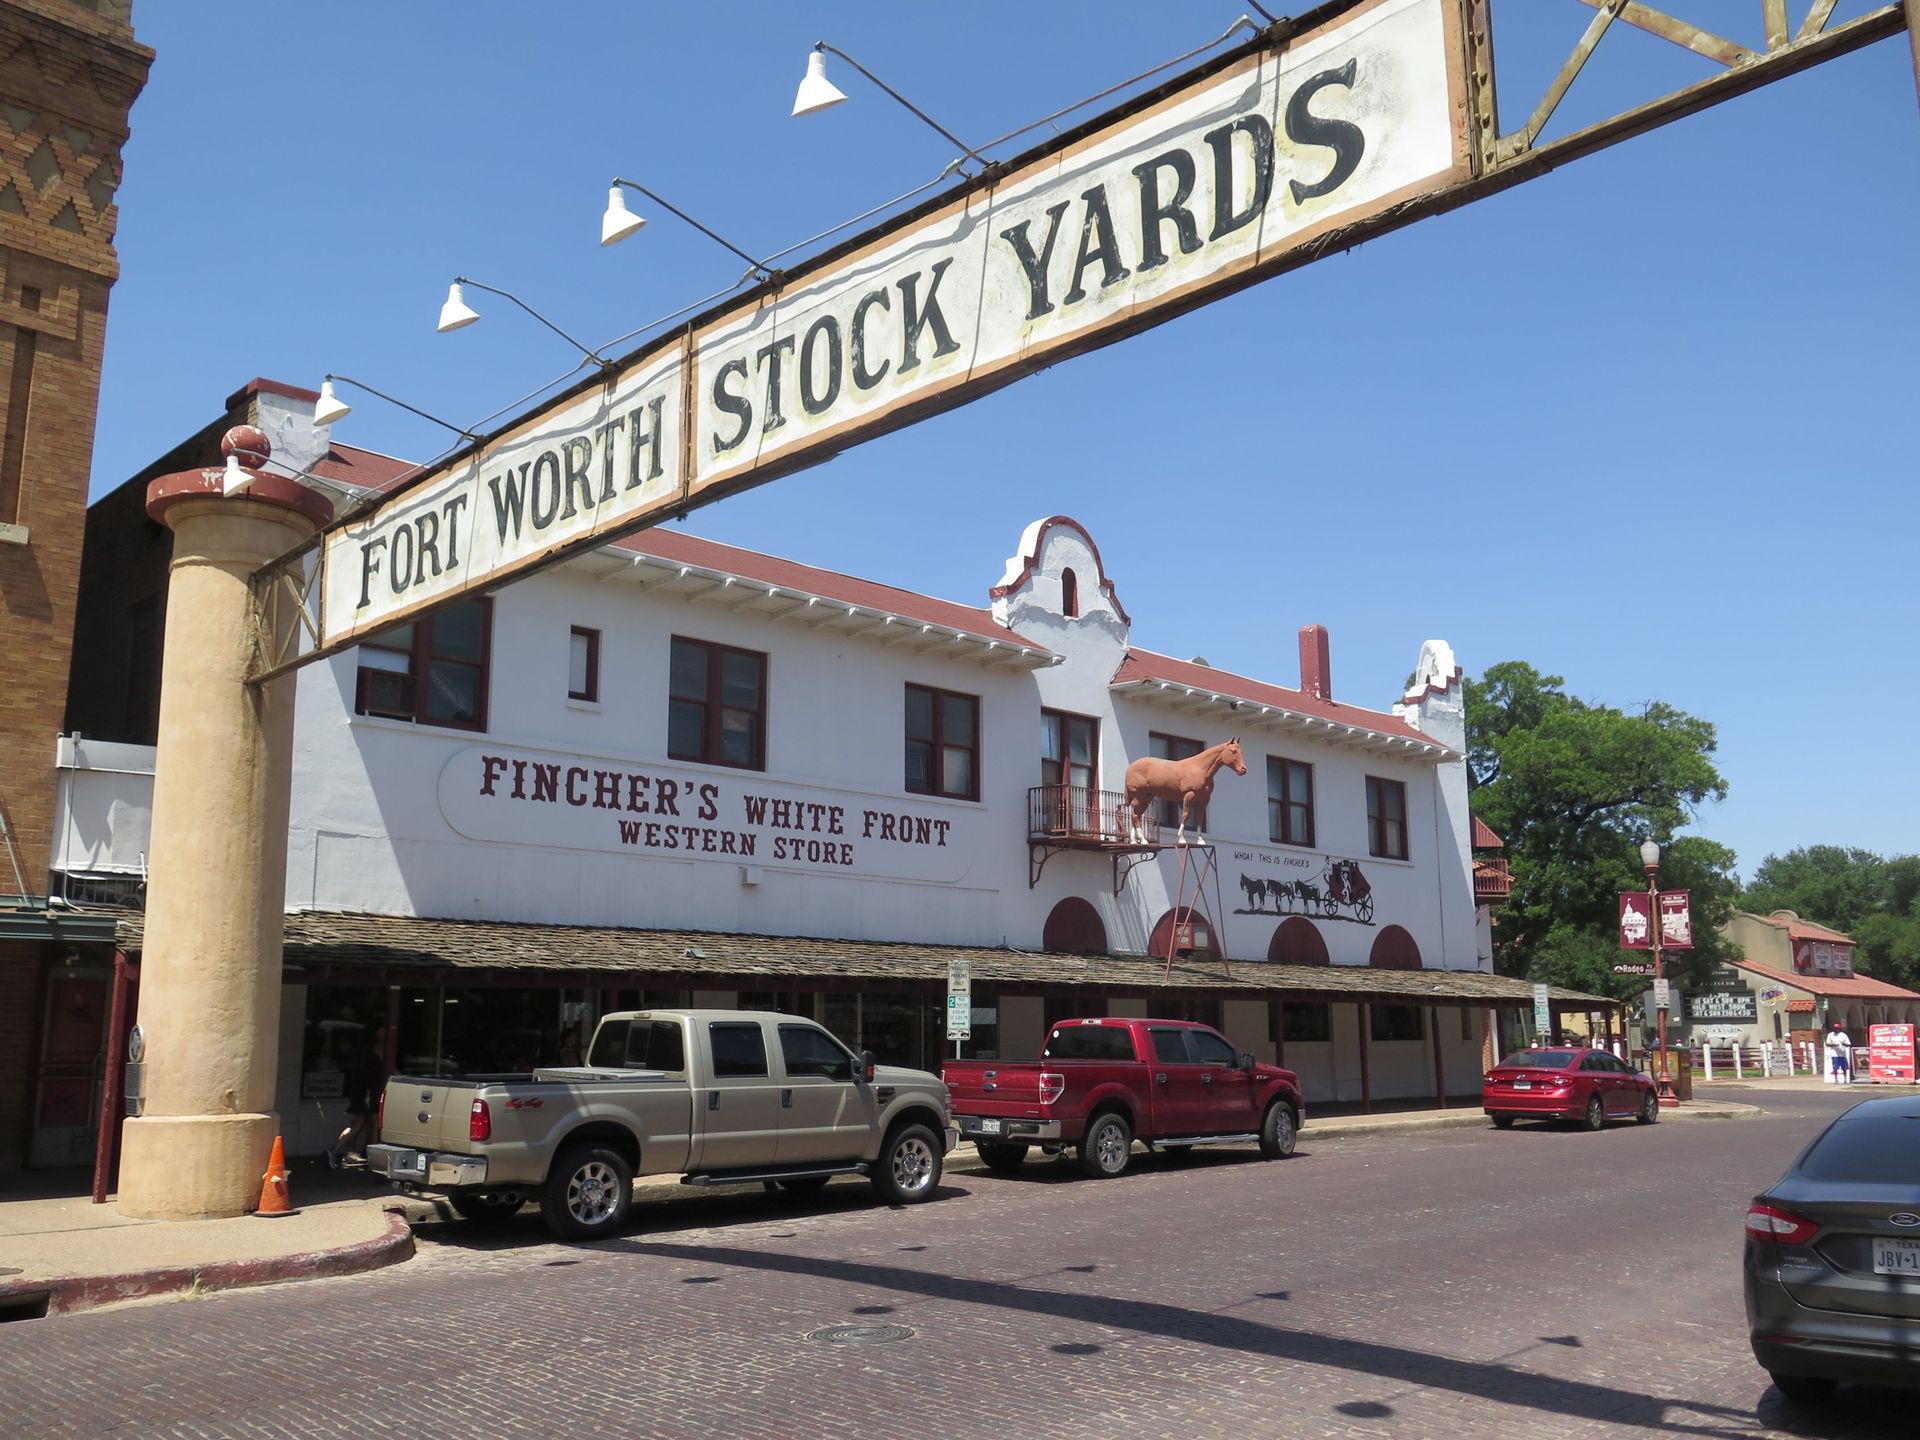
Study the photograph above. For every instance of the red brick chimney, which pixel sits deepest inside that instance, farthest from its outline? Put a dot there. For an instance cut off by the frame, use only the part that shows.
(1316, 673)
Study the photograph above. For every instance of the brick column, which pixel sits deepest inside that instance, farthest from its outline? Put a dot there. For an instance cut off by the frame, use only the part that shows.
(210, 967)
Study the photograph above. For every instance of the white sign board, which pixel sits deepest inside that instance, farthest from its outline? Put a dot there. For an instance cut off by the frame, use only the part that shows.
(1171, 202)
(1663, 994)
(959, 1000)
(1542, 1011)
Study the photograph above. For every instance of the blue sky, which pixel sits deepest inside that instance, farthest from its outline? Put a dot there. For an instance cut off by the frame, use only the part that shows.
(1647, 422)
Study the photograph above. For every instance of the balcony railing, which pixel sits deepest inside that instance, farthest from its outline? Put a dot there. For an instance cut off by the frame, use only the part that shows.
(1074, 815)
(1492, 881)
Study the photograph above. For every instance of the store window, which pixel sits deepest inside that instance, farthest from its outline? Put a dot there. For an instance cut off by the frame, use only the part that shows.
(1175, 747)
(1289, 801)
(717, 705)
(943, 743)
(1305, 1022)
(432, 671)
(1395, 1022)
(1386, 818)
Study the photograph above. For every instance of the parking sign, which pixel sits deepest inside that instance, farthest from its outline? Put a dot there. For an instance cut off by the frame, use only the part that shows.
(959, 1000)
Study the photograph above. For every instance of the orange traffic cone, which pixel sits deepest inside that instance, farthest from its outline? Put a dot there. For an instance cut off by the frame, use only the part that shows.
(274, 1199)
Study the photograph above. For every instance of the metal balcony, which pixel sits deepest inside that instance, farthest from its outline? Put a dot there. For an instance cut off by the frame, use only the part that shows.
(1074, 817)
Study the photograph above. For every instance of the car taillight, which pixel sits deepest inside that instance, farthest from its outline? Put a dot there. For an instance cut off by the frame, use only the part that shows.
(480, 1122)
(1764, 1222)
(1052, 1087)
(1555, 1082)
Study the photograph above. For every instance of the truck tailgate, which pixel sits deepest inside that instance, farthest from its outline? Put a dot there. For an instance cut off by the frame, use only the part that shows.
(425, 1113)
(991, 1084)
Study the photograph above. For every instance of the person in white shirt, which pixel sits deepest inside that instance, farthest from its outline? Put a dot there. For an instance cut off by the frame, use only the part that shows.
(1839, 1056)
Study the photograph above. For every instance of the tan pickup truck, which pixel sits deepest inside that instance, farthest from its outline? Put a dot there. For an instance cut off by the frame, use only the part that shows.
(718, 1097)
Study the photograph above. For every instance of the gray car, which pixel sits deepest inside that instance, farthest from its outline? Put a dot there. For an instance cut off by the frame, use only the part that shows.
(1833, 1257)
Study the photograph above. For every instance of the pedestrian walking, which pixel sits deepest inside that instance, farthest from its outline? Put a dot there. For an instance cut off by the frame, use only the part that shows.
(1839, 1056)
(366, 1078)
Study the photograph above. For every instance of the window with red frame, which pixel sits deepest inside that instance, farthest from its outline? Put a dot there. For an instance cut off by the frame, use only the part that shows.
(717, 704)
(943, 743)
(1386, 818)
(432, 671)
(1289, 801)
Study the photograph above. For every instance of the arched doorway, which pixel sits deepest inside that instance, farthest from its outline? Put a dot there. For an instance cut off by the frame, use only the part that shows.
(1297, 941)
(1394, 949)
(1197, 938)
(1074, 928)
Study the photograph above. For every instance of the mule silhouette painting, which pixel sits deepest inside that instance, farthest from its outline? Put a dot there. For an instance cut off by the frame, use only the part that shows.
(1189, 781)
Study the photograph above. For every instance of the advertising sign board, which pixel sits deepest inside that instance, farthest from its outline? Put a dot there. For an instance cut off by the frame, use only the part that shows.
(1890, 1059)
(1676, 920)
(1721, 1005)
(1636, 927)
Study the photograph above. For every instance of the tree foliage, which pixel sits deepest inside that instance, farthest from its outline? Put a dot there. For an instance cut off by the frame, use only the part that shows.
(1573, 788)
(1874, 899)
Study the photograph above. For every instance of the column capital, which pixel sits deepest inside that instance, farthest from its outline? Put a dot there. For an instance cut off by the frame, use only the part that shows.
(252, 448)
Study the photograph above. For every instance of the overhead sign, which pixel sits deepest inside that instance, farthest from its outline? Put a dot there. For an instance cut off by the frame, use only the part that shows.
(959, 1000)
(1217, 182)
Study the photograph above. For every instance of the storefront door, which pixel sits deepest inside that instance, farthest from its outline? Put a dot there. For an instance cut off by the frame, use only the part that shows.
(66, 1116)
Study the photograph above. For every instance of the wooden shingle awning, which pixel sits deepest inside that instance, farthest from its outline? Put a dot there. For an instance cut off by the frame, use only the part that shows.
(483, 951)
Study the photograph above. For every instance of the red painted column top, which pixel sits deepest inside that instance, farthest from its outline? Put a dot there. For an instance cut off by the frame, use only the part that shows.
(252, 450)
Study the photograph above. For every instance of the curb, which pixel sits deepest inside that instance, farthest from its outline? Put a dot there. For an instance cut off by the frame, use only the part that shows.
(71, 1294)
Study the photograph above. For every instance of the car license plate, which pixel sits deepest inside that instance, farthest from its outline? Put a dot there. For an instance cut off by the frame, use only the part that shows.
(1523, 1084)
(1896, 1257)
(989, 1127)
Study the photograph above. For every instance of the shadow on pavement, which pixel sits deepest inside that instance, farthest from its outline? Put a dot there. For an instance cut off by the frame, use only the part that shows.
(1492, 1381)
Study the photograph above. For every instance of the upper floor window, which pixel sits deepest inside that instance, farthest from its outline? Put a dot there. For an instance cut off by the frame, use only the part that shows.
(1386, 818)
(1289, 801)
(583, 664)
(432, 671)
(1069, 747)
(1069, 594)
(717, 705)
(1175, 747)
(943, 743)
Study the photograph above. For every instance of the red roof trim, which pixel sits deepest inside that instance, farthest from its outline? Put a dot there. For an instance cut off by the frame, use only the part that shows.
(1863, 986)
(1031, 558)
(678, 547)
(272, 387)
(1414, 697)
(1484, 837)
(1145, 667)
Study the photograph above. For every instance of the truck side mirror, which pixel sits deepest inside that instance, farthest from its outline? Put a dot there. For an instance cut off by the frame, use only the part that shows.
(866, 1065)
(1243, 1061)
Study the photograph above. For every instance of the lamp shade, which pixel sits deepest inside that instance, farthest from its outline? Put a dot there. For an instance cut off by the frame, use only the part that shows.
(331, 406)
(1650, 854)
(816, 91)
(619, 222)
(234, 480)
(456, 313)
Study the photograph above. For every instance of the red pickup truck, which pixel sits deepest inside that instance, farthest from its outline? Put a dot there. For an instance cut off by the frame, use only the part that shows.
(1102, 1084)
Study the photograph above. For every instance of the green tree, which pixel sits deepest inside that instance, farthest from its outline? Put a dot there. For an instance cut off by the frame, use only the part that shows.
(1873, 899)
(1574, 787)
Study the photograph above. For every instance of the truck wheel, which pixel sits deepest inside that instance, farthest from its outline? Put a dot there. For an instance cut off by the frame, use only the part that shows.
(1278, 1131)
(1003, 1156)
(908, 1170)
(1108, 1145)
(488, 1207)
(588, 1192)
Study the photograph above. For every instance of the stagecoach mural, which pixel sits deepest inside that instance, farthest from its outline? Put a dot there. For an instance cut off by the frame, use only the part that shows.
(1332, 888)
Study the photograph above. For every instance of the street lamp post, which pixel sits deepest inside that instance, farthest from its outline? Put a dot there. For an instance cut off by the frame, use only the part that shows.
(1663, 1071)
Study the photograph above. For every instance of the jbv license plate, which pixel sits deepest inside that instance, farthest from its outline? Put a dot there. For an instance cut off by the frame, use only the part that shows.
(1896, 1257)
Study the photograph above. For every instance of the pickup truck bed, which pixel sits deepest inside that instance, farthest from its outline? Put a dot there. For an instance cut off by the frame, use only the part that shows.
(1102, 1084)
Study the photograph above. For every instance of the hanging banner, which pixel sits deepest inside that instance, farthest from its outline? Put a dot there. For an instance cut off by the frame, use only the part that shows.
(1636, 928)
(1676, 920)
(1247, 167)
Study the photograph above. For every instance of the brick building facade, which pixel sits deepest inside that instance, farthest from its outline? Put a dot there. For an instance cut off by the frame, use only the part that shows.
(69, 73)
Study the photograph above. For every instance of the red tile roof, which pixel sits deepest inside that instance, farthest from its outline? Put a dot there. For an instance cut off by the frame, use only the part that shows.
(1144, 667)
(685, 549)
(1802, 1007)
(1807, 930)
(1484, 837)
(1858, 986)
(368, 469)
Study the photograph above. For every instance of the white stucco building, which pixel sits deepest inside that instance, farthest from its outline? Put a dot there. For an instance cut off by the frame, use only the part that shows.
(673, 770)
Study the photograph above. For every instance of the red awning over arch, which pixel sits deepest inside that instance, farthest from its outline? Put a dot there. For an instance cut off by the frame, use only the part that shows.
(1074, 927)
(1394, 949)
(1297, 941)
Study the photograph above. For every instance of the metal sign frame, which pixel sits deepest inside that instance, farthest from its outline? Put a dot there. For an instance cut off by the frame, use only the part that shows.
(291, 592)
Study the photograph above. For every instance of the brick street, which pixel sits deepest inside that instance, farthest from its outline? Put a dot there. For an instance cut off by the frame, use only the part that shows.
(1461, 1283)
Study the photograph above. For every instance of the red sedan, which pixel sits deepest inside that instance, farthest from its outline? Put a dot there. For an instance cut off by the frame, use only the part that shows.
(1589, 1086)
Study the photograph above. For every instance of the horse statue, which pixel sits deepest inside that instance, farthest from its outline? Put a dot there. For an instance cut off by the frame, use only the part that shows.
(1189, 781)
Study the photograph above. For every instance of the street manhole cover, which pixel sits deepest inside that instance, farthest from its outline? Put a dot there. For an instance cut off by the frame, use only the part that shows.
(860, 1334)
